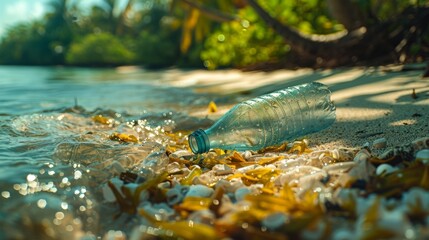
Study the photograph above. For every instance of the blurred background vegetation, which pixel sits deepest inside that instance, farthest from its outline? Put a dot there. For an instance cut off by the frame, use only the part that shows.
(212, 33)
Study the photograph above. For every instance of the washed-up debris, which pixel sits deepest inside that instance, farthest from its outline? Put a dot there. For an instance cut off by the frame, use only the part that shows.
(161, 190)
(287, 191)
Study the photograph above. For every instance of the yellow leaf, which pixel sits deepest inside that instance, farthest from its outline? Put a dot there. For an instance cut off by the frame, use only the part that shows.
(212, 107)
(237, 157)
(299, 147)
(194, 173)
(102, 120)
(278, 148)
(219, 151)
(122, 137)
(195, 203)
(269, 160)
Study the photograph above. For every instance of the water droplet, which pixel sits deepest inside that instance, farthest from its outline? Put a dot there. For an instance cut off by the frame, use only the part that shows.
(59, 215)
(41, 203)
(31, 177)
(65, 180)
(69, 228)
(77, 174)
(5, 194)
(64, 205)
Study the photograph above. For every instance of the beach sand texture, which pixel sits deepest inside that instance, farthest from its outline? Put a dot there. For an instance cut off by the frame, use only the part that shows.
(384, 102)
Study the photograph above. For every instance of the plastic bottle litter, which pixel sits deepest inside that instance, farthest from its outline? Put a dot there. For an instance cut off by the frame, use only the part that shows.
(269, 120)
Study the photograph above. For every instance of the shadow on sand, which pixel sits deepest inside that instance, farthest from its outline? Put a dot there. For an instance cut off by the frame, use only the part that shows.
(371, 103)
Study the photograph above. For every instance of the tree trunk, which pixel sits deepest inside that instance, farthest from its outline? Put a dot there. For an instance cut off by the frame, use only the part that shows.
(347, 13)
(350, 47)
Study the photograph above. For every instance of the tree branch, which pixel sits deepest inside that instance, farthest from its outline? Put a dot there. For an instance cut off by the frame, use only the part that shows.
(310, 46)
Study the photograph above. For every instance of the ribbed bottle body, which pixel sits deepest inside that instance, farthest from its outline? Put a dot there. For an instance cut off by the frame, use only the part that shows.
(294, 112)
(274, 118)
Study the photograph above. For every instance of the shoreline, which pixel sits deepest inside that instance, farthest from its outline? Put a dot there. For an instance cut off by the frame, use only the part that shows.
(371, 103)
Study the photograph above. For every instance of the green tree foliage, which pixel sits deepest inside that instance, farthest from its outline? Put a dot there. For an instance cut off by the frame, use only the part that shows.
(183, 33)
(159, 50)
(158, 40)
(250, 41)
(99, 50)
(30, 44)
(42, 42)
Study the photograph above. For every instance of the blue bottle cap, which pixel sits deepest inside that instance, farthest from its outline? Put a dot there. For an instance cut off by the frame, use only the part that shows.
(199, 141)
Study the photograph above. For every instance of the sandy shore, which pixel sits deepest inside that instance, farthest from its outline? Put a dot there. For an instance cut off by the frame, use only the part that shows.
(371, 103)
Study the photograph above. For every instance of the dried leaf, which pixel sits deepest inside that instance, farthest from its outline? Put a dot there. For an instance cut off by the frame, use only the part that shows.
(278, 148)
(216, 200)
(237, 157)
(212, 108)
(299, 147)
(269, 160)
(122, 137)
(219, 152)
(102, 120)
(190, 177)
(194, 204)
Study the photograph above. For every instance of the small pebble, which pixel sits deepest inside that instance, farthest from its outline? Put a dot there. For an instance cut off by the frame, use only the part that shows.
(199, 191)
(247, 168)
(340, 167)
(379, 143)
(423, 155)
(366, 145)
(173, 168)
(207, 179)
(241, 193)
(176, 194)
(362, 155)
(247, 154)
(160, 211)
(384, 169)
(274, 221)
(222, 169)
(182, 154)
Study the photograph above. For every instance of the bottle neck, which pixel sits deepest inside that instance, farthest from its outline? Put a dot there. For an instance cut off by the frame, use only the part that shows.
(199, 141)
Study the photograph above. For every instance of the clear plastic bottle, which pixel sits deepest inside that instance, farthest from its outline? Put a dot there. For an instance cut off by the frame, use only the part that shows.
(269, 120)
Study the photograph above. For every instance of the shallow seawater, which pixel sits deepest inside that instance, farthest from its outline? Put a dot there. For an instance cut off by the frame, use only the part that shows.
(54, 154)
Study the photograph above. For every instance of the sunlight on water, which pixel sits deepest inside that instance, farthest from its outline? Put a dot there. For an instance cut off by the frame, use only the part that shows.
(55, 154)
